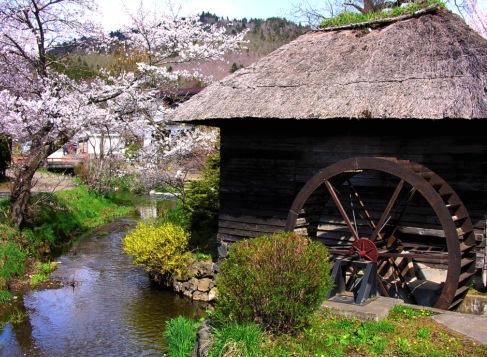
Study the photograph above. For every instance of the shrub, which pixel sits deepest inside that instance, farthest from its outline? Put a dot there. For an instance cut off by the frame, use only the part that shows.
(180, 335)
(237, 340)
(159, 249)
(201, 206)
(276, 281)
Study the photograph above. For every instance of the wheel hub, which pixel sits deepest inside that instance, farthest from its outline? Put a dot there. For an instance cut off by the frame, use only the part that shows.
(365, 248)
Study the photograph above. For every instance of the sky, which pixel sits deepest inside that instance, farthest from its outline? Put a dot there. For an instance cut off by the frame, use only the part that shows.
(114, 11)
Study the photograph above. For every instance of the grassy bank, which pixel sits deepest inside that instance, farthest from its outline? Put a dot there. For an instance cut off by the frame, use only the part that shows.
(54, 220)
(405, 332)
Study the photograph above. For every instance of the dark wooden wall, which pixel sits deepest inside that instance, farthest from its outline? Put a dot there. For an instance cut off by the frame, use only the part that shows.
(266, 162)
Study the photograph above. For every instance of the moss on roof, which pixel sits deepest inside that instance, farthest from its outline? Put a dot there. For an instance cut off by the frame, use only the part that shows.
(348, 17)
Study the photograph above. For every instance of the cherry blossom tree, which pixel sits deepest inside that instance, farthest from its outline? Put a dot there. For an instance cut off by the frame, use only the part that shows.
(476, 17)
(42, 109)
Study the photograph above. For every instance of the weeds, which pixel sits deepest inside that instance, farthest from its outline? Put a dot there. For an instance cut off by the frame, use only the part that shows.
(43, 273)
(15, 317)
(38, 278)
(423, 333)
(402, 311)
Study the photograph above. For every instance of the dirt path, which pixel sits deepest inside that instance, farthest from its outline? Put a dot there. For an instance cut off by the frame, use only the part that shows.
(44, 182)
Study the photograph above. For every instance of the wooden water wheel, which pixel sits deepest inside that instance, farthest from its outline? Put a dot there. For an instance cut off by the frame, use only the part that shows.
(401, 215)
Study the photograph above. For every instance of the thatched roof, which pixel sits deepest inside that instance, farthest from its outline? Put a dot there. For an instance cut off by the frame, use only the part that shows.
(430, 67)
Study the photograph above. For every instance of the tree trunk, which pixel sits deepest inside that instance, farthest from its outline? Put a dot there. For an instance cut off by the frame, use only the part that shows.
(21, 187)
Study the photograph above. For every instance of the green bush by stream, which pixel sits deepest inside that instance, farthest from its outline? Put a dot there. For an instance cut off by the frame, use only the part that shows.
(54, 219)
(276, 281)
(165, 245)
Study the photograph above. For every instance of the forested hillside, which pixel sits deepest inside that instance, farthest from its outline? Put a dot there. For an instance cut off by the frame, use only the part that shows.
(263, 36)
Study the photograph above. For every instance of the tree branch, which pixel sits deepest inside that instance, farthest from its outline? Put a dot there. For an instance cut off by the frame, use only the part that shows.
(359, 8)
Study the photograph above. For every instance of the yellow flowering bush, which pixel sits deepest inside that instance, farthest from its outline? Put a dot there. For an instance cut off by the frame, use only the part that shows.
(159, 249)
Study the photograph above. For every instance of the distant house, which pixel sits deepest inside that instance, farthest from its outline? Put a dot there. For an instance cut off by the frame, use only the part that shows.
(95, 145)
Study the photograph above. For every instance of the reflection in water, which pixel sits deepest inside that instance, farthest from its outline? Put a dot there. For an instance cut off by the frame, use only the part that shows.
(153, 208)
(113, 311)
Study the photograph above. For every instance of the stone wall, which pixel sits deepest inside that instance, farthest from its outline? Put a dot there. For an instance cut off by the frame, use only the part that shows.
(198, 283)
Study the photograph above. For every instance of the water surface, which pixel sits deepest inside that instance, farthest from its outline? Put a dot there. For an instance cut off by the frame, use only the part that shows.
(111, 310)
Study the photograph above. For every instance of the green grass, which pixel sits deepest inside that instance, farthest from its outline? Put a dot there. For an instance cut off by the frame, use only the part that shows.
(12, 262)
(38, 278)
(180, 336)
(348, 17)
(402, 311)
(59, 216)
(406, 332)
(202, 257)
(237, 340)
(5, 296)
(47, 172)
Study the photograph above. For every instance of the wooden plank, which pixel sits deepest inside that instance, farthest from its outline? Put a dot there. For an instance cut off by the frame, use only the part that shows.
(252, 220)
(227, 225)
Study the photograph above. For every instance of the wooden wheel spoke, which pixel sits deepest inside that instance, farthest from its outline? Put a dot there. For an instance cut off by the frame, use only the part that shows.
(430, 256)
(339, 251)
(386, 214)
(401, 215)
(361, 203)
(342, 211)
(381, 287)
(397, 271)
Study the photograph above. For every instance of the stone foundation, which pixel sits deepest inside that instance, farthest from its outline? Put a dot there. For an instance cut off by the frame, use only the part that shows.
(204, 341)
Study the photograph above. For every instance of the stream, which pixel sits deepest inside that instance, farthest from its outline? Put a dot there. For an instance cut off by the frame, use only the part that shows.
(109, 308)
